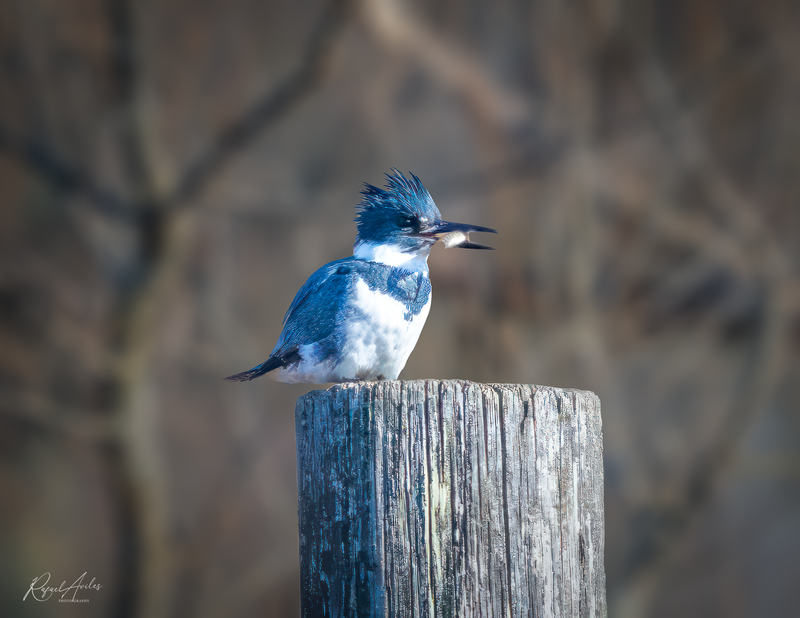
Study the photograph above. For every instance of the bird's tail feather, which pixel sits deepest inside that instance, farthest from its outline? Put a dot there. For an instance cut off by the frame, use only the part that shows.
(268, 365)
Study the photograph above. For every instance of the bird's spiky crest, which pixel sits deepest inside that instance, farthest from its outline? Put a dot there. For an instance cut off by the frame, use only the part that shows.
(382, 212)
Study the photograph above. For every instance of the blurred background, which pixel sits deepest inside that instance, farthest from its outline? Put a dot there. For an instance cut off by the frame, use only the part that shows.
(171, 172)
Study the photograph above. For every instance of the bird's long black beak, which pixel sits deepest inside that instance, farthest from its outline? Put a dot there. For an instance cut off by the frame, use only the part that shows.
(456, 234)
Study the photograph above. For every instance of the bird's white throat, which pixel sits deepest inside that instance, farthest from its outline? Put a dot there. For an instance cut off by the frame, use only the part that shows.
(392, 255)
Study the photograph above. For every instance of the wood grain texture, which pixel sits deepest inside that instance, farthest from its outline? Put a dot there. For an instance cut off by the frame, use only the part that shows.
(447, 498)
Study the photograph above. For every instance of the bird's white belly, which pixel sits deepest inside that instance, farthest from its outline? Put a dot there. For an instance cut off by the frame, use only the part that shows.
(378, 339)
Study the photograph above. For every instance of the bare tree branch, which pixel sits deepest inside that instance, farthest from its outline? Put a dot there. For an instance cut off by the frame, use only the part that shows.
(395, 28)
(246, 129)
(39, 159)
(763, 365)
(230, 142)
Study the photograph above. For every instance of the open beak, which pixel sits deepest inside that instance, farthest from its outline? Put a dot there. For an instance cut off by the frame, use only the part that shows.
(456, 234)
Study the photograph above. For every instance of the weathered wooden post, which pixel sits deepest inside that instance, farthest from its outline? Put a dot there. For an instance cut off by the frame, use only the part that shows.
(450, 498)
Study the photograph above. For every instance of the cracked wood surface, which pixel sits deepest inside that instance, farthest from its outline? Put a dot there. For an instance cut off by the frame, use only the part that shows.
(450, 498)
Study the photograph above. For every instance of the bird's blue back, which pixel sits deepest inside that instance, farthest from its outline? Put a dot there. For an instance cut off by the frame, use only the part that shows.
(321, 304)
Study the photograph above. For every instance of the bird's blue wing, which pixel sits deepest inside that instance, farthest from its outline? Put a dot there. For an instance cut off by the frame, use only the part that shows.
(311, 318)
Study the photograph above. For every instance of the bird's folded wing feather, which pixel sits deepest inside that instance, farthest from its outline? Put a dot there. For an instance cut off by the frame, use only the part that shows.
(311, 318)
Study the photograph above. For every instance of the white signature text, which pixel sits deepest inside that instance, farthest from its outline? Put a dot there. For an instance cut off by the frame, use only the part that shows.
(40, 591)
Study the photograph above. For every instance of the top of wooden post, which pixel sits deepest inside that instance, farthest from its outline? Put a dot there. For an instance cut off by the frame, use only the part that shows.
(450, 498)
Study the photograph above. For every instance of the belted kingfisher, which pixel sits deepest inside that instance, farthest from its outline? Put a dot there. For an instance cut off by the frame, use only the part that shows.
(359, 318)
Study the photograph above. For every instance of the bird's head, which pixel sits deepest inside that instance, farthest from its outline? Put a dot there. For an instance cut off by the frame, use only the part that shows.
(404, 219)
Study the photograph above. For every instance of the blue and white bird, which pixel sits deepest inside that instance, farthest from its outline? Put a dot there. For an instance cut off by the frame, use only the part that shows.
(359, 318)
